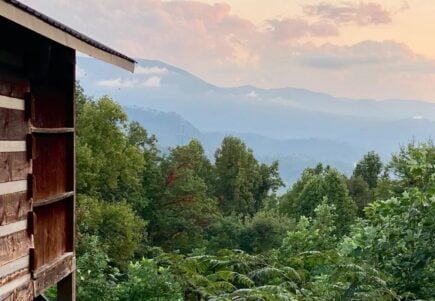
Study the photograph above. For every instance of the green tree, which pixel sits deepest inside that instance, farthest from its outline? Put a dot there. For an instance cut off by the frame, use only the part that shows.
(398, 235)
(152, 175)
(187, 207)
(264, 232)
(241, 182)
(369, 168)
(316, 185)
(360, 192)
(96, 278)
(112, 223)
(414, 166)
(108, 165)
(311, 234)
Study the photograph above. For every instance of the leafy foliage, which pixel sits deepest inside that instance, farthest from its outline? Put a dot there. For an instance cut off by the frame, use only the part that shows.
(241, 182)
(369, 169)
(315, 186)
(180, 227)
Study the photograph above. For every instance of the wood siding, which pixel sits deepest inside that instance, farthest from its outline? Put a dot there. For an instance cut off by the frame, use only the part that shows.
(37, 185)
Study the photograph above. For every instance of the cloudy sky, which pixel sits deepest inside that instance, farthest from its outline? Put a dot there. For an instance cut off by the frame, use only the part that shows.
(376, 49)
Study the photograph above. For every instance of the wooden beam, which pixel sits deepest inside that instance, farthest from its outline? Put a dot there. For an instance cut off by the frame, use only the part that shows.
(13, 166)
(11, 103)
(14, 207)
(51, 130)
(13, 228)
(13, 285)
(13, 124)
(53, 199)
(12, 187)
(14, 266)
(66, 259)
(50, 274)
(12, 146)
(14, 246)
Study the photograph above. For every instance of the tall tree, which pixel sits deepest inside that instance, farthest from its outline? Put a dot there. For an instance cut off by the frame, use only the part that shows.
(108, 164)
(369, 168)
(186, 207)
(241, 182)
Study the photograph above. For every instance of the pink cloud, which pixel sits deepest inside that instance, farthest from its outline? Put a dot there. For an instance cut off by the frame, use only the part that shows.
(227, 49)
(362, 13)
(291, 29)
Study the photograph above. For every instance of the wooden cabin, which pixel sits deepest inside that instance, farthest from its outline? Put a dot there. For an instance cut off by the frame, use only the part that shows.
(37, 154)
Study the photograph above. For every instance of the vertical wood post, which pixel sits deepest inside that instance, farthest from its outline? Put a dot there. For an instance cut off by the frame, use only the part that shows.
(66, 288)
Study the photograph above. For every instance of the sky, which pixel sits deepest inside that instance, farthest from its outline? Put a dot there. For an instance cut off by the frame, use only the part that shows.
(359, 49)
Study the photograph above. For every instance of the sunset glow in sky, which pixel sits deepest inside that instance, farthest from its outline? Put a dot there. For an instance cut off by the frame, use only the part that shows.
(361, 49)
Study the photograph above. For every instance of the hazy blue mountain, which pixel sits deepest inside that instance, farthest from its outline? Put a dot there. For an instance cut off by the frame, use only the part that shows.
(297, 126)
(294, 154)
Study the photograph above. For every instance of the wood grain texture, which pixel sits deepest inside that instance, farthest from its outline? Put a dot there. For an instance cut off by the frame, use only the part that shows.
(51, 233)
(20, 289)
(14, 207)
(48, 275)
(14, 267)
(14, 246)
(53, 199)
(13, 228)
(13, 166)
(52, 165)
(15, 275)
(13, 124)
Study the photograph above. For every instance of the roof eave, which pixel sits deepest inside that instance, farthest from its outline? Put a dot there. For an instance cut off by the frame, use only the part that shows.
(42, 27)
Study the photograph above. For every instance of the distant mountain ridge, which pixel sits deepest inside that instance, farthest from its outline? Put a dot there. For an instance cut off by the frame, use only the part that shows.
(294, 154)
(290, 124)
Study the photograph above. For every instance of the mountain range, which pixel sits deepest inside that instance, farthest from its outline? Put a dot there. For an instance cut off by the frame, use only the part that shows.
(298, 127)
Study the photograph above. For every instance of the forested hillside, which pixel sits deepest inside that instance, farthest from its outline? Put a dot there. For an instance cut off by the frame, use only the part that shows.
(179, 227)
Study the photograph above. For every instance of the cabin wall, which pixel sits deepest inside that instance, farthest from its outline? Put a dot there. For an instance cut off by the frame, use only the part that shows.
(37, 180)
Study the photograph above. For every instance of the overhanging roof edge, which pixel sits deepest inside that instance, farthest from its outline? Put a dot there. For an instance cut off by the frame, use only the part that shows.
(31, 19)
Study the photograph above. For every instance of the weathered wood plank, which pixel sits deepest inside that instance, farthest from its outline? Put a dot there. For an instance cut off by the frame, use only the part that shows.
(51, 163)
(14, 246)
(13, 124)
(12, 103)
(50, 234)
(10, 290)
(15, 275)
(54, 199)
(12, 187)
(13, 166)
(50, 274)
(18, 290)
(51, 130)
(14, 266)
(13, 228)
(14, 207)
(12, 146)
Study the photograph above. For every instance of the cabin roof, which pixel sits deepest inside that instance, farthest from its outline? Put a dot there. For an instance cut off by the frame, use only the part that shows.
(27, 17)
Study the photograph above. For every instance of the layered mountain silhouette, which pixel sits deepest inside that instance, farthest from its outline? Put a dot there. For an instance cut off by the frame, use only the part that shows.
(295, 126)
